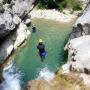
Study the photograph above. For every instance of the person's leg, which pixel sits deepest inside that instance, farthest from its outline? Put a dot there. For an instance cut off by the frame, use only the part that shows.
(41, 56)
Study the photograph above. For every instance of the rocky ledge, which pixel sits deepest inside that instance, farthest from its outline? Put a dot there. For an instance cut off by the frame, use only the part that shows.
(78, 47)
(14, 19)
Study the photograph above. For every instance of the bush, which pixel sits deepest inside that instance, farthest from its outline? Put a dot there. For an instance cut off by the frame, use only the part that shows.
(59, 4)
(6, 1)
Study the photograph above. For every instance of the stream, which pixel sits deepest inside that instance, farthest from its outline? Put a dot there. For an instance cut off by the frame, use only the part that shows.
(27, 65)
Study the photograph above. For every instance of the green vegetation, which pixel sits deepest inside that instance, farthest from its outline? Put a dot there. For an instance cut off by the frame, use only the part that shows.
(59, 4)
(6, 1)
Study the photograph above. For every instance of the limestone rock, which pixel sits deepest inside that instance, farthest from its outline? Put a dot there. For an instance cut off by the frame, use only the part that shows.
(84, 25)
(21, 8)
(11, 15)
(11, 26)
(22, 34)
(27, 21)
(13, 41)
(16, 20)
(79, 53)
(6, 23)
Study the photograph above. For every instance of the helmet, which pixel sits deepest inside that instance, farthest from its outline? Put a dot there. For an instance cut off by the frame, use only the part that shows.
(40, 40)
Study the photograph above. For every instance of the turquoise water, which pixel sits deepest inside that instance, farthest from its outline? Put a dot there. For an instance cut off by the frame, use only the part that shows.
(54, 35)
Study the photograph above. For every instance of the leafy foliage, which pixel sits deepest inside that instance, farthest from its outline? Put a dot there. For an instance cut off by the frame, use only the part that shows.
(59, 4)
(6, 1)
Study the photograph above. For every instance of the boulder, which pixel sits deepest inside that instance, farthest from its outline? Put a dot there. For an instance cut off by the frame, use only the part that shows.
(16, 20)
(82, 25)
(79, 54)
(13, 41)
(6, 23)
(12, 28)
(27, 21)
(21, 35)
(21, 7)
(11, 15)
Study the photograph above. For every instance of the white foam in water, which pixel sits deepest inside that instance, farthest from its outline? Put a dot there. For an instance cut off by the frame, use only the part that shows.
(12, 81)
(46, 74)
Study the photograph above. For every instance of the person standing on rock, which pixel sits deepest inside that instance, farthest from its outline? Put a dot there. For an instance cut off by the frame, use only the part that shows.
(42, 51)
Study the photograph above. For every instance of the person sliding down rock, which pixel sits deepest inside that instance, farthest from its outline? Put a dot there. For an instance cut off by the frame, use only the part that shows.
(42, 51)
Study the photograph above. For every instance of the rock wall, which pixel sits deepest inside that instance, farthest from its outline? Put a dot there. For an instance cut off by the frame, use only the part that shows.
(78, 46)
(14, 19)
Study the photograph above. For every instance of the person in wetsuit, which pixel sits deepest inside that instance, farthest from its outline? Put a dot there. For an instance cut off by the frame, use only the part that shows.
(41, 48)
(33, 28)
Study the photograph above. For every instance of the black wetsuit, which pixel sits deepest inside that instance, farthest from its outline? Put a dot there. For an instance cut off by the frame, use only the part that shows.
(33, 29)
(41, 48)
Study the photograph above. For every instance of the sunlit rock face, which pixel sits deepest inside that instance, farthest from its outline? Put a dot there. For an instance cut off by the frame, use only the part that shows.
(82, 25)
(21, 7)
(78, 46)
(6, 22)
(18, 9)
(13, 28)
(79, 53)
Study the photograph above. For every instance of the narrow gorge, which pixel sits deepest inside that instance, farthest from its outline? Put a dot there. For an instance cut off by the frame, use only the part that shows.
(66, 36)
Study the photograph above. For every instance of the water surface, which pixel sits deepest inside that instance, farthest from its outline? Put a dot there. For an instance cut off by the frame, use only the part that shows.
(54, 35)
